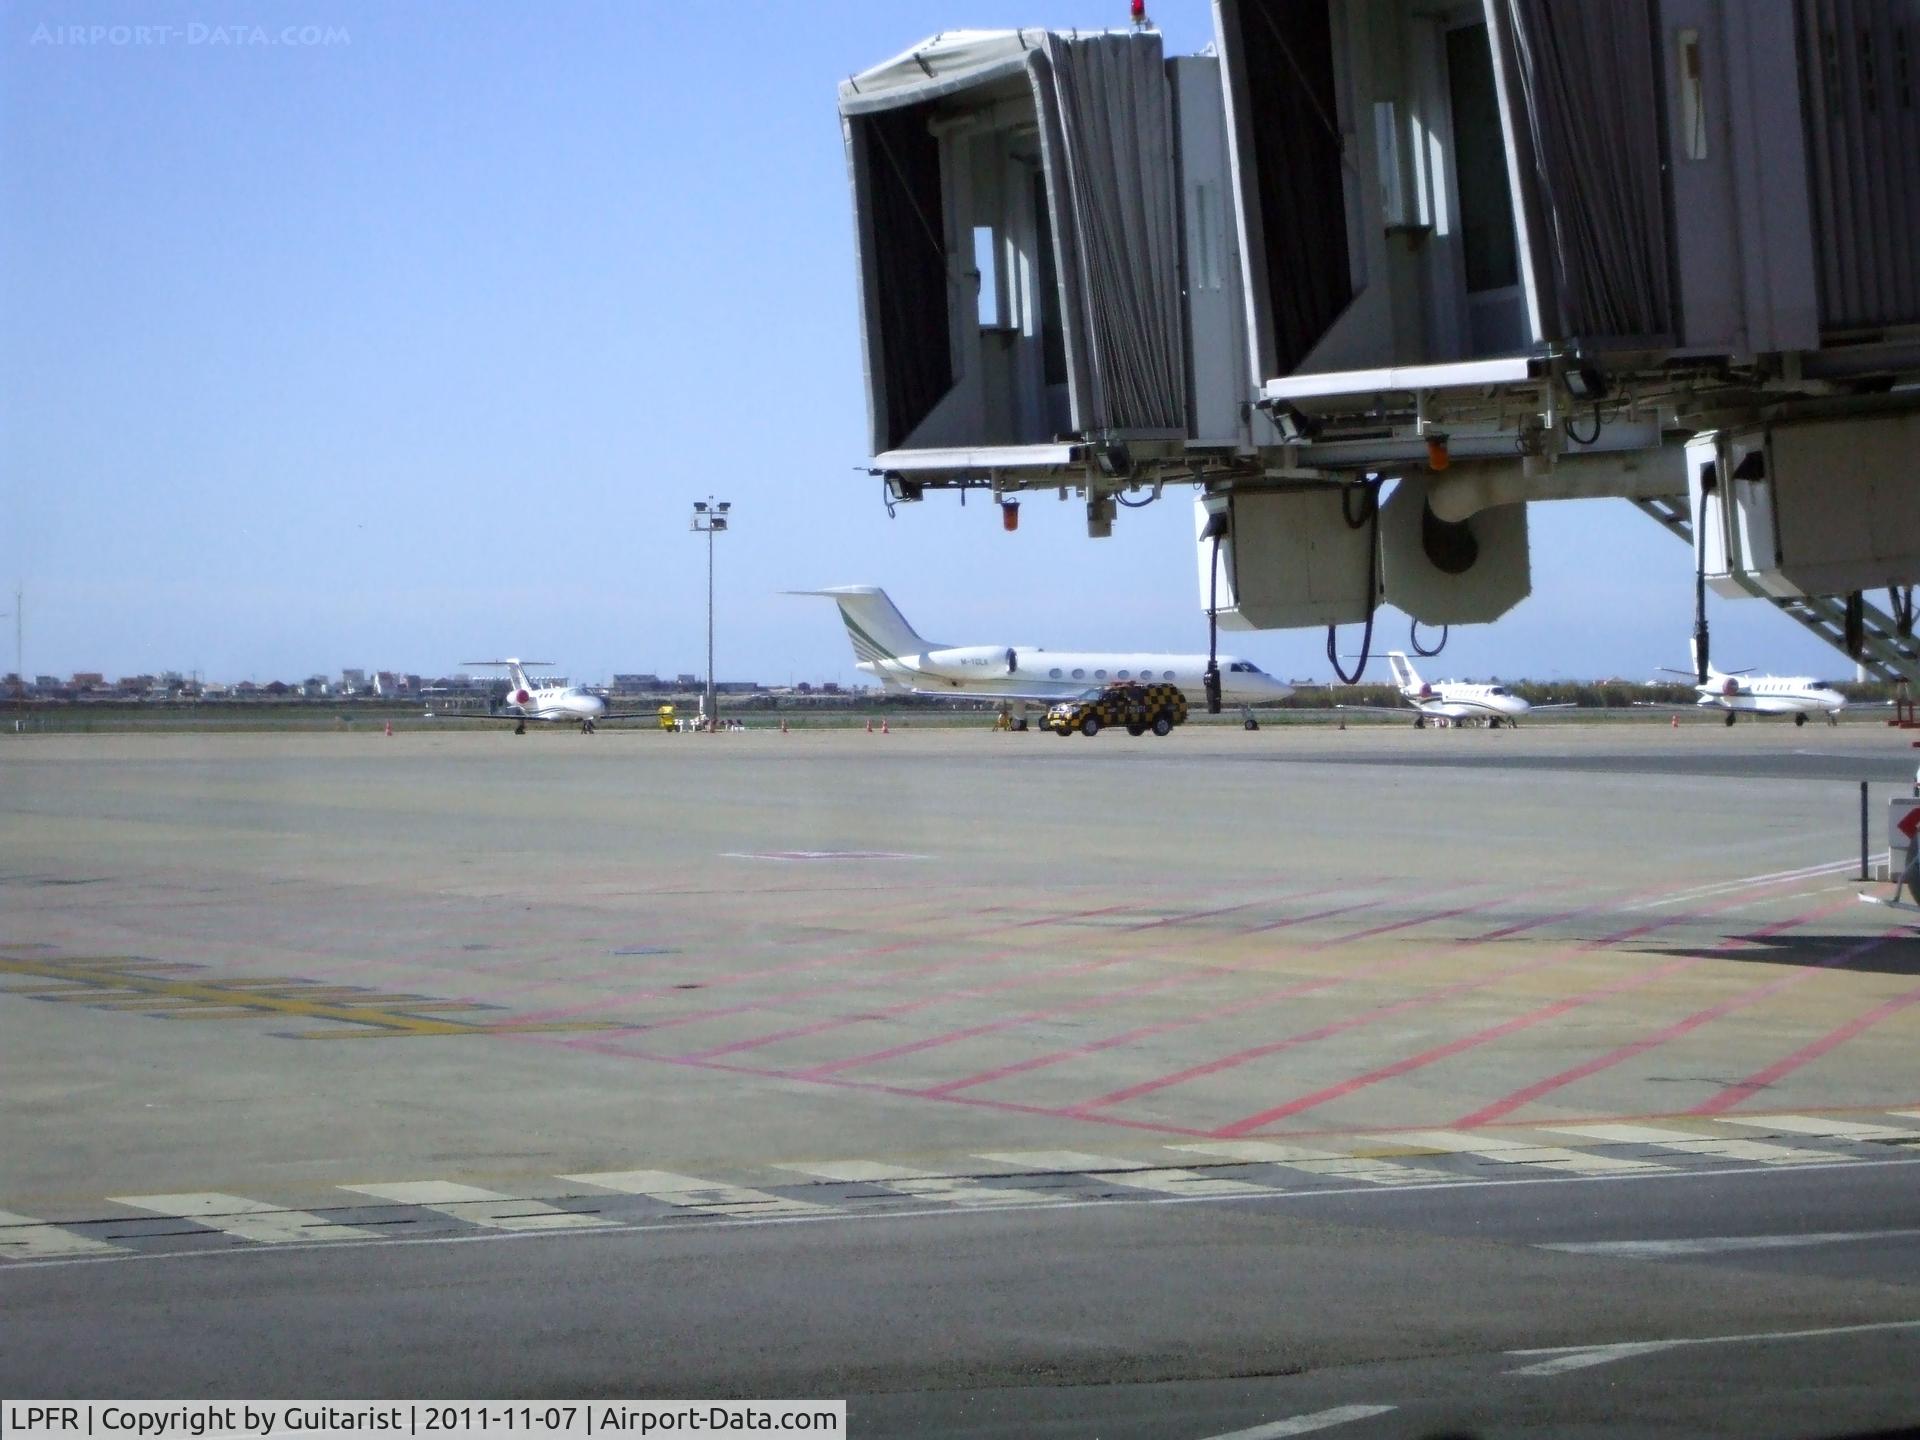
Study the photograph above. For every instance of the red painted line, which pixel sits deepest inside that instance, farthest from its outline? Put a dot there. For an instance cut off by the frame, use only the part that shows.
(905, 1007)
(1007, 1022)
(1744, 1089)
(1248, 1124)
(815, 963)
(1267, 925)
(1529, 1093)
(1181, 1022)
(1189, 917)
(1006, 1107)
(1364, 1017)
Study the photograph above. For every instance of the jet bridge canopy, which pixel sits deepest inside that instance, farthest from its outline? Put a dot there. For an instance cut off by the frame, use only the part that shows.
(1015, 216)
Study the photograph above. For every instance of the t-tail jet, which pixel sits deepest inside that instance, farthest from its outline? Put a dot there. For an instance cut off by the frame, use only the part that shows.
(565, 704)
(888, 648)
(1740, 692)
(1453, 702)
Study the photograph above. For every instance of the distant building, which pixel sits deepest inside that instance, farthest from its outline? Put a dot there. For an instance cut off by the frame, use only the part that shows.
(314, 687)
(89, 680)
(830, 687)
(636, 683)
(736, 687)
(352, 682)
(687, 682)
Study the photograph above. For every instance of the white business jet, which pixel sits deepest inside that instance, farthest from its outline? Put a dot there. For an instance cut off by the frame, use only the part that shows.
(1452, 702)
(1739, 692)
(886, 647)
(568, 704)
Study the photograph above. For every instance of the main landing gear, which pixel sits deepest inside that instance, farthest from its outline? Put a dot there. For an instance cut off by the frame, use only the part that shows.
(520, 728)
(586, 727)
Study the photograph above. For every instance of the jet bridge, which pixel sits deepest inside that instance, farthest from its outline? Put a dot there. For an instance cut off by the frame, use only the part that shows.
(1493, 251)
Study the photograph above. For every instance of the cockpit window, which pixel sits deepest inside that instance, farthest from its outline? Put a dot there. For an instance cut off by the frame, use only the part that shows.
(1497, 690)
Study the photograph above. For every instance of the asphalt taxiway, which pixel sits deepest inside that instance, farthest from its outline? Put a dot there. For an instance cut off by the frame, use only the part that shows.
(1008, 1084)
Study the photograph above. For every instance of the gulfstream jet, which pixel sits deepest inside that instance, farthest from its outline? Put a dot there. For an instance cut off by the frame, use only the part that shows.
(1453, 701)
(568, 704)
(886, 647)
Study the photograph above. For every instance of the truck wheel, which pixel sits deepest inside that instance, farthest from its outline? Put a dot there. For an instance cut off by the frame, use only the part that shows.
(1136, 731)
(1090, 726)
(1163, 727)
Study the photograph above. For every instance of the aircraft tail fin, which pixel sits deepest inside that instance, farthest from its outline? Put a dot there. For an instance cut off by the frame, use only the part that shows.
(1404, 675)
(876, 627)
(516, 670)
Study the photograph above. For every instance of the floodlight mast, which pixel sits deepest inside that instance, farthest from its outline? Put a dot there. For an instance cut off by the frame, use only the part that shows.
(709, 518)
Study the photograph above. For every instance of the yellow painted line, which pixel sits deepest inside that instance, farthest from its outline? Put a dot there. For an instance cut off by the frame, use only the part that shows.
(455, 1027)
(219, 996)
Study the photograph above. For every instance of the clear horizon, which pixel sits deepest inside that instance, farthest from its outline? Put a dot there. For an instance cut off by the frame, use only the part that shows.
(387, 335)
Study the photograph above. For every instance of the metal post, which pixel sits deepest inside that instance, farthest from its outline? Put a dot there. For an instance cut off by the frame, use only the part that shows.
(710, 515)
(1863, 830)
(713, 696)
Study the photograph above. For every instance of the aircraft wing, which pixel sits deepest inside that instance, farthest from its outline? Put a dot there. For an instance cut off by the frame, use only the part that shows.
(1558, 705)
(1381, 709)
(504, 717)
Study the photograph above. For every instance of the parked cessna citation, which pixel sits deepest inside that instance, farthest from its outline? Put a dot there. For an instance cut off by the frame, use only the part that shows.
(1453, 701)
(884, 645)
(569, 704)
(1739, 692)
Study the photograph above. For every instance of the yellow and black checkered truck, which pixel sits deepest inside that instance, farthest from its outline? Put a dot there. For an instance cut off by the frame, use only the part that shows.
(1138, 707)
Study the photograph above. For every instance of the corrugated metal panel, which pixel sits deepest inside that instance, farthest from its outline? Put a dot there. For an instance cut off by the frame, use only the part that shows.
(1860, 90)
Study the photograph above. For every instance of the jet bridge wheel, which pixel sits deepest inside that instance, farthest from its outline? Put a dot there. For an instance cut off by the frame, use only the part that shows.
(1136, 731)
(1090, 726)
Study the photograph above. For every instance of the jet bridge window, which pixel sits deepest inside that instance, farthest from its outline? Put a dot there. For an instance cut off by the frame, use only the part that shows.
(1284, 69)
(907, 292)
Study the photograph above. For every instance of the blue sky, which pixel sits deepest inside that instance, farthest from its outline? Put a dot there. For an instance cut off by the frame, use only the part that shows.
(391, 335)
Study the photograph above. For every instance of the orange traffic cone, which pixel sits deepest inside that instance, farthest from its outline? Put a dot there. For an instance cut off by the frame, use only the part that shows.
(869, 725)
(389, 729)
(783, 727)
(883, 726)
(1676, 722)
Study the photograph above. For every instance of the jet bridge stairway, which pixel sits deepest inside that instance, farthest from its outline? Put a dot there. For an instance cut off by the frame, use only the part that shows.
(1888, 654)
